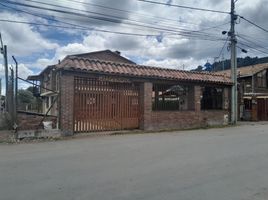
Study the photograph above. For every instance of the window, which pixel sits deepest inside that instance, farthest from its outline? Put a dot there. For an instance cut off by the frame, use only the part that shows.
(212, 98)
(248, 104)
(262, 79)
(172, 97)
(47, 102)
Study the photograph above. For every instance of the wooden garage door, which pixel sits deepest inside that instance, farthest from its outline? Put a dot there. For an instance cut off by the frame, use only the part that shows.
(102, 104)
(262, 104)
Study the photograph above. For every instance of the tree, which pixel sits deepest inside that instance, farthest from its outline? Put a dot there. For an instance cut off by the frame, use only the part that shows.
(25, 98)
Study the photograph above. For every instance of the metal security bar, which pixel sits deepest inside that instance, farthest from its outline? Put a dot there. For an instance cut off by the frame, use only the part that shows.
(102, 104)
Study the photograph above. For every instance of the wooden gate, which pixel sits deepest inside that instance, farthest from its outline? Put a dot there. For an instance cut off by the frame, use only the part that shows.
(102, 104)
(262, 104)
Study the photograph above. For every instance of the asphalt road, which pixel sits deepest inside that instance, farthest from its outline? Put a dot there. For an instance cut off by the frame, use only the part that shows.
(214, 164)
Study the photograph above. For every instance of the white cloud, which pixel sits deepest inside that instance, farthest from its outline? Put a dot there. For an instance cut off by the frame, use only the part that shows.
(184, 64)
(22, 39)
(172, 51)
(23, 72)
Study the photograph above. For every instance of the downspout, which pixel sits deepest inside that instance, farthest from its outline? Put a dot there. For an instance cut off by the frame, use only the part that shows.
(252, 82)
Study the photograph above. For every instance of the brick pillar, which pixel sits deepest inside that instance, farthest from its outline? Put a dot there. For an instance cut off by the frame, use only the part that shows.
(66, 104)
(197, 98)
(145, 105)
(226, 98)
(254, 111)
(191, 98)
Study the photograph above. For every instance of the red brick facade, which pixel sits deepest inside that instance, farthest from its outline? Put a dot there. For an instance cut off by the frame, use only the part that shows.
(31, 121)
(149, 119)
(165, 120)
(66, 104)
(107, 63)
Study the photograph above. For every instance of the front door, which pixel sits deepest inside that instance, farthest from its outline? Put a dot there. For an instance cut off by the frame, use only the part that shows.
(262, 105)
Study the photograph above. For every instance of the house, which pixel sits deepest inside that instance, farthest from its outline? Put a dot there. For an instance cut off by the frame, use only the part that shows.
(103, 91)
(252, 91)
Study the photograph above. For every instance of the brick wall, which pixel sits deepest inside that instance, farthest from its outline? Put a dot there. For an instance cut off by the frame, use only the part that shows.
(146, 105)
(149, 120)
(31, 121)
(185, 119)
(66, 104)
(161, 120)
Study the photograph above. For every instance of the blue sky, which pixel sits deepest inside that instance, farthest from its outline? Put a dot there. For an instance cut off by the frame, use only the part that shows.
(173, 46)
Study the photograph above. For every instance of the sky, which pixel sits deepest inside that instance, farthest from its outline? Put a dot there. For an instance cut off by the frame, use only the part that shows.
(150, 34)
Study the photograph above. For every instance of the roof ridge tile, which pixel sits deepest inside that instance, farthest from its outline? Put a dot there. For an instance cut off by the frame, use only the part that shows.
(96, 65)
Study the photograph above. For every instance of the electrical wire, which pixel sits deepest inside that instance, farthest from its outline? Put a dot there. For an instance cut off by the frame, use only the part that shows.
(109, 20)
(185, 7)
(253, 48)
(133, 13)
(72, 28)
(254, 24)
(221, 51)
(128, 11)
(91, 12)
(97, 30)
(166, 27)
(254, 43)
(63, 22)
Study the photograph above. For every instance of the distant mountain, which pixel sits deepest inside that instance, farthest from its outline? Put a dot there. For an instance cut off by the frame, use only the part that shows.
(226, 64)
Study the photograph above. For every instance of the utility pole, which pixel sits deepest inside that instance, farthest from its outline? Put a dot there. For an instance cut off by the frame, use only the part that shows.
(16, 94)
(4, 52)
(233, 64)
(1, 103)
(10, 96)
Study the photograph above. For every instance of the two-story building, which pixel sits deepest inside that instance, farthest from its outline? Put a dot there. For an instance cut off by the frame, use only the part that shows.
(252, 91)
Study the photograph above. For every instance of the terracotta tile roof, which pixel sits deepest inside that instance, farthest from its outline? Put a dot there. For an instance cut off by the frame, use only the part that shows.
(246, 71)
(108, 55)
(107, 67)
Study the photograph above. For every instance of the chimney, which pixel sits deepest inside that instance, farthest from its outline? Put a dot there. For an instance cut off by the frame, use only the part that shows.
(118, 52)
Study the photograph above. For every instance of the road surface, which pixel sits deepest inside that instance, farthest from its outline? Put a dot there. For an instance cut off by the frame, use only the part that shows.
(215, 164)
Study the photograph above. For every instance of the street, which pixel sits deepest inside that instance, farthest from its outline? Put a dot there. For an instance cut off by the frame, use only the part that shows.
(209, 164)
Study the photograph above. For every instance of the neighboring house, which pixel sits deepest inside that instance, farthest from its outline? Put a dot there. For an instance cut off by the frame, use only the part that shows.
(252, 91)
(102, 91)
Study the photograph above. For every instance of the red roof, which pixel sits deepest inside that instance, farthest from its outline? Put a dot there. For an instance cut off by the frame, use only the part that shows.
(246, 71)
(108, 67)
(108, 55)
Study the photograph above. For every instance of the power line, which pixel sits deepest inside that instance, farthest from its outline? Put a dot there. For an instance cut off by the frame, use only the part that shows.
(254, 43)
(221, 51)
(253, 48)
(132, 12)
(256, 38)
(67, 23)
(128, 11)
(254, 24)
(117, 18)
(76, 28)
(97, 30)
(183, 33)
(91, 16)
(185, 7)
(87, 11)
